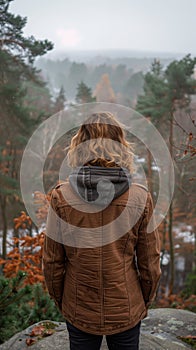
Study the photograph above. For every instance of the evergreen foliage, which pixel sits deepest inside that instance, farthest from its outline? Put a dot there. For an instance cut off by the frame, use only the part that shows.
(84, 94)
(60, 100)
(12, 40)
(153, 102)
(17, 119)
(165, 92)
(22, 306)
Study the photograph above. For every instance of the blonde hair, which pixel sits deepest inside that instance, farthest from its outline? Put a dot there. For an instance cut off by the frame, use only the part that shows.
(107, 144)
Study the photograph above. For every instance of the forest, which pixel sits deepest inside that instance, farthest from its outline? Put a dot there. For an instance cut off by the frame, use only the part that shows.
(33, 88)
(125, 76)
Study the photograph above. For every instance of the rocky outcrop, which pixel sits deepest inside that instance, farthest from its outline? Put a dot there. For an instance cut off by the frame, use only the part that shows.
(160, 330)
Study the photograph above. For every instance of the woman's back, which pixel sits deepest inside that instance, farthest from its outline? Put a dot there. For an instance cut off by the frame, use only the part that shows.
(102, 287)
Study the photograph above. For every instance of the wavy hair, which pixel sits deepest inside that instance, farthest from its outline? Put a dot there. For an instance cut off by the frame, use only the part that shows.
(101, 141)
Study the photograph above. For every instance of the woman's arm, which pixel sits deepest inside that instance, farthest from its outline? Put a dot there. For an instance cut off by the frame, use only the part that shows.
(148, 255)
(54, 256)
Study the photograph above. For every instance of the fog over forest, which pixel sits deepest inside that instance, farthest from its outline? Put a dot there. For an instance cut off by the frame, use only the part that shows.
(125, 69)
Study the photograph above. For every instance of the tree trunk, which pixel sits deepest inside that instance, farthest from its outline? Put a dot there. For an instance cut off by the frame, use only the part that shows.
(4, 221)
(170, 226)
(171, 243)
(149, 160)
(164, 240)
(194, 263)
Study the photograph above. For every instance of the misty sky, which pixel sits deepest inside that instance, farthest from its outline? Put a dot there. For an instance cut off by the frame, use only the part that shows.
(146, 25)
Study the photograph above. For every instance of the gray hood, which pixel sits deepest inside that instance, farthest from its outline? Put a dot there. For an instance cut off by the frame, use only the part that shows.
(100, 185)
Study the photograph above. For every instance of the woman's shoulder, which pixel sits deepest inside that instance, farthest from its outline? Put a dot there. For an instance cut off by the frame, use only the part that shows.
(63, 194)
(138, 185)
(138, 194)
(56, 192)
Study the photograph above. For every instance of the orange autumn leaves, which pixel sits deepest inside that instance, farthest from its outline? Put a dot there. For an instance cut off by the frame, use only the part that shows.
(26, 254)
(40, 331)
(23, 221)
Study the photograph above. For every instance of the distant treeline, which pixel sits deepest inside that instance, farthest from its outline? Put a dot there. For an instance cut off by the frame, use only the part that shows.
(125, 74)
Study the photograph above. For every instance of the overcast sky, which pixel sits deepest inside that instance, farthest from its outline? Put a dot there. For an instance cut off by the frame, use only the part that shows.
(146, 25)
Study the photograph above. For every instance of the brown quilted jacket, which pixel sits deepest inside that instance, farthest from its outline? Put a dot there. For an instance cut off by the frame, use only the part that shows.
(104, 287)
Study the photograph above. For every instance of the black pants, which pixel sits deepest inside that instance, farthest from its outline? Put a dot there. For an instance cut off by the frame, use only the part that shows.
(127, 340)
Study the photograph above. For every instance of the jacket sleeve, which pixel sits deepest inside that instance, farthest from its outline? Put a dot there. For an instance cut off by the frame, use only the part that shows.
(54, 256)
(148, 255)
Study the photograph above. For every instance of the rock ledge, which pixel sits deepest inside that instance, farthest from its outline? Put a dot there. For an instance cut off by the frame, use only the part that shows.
(160, 330)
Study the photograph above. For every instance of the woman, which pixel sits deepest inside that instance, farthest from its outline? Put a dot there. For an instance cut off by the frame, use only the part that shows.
(104, 271)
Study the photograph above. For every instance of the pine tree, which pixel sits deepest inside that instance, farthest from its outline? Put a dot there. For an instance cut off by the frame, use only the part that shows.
(13, 41)
(77, 73)
(153, 105)
(181, 85)
(22, 306)
(12, 293)
(153, 102)
(166, 91)
(84, 94)
(59, 103)
(17, 54)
